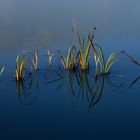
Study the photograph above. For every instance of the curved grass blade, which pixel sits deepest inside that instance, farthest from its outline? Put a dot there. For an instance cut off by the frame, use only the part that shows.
(2, 71)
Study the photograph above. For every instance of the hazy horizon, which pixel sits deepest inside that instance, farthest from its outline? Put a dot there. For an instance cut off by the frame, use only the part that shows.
(48, 23)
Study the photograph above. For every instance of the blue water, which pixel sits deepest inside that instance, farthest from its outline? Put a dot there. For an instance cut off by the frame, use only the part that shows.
(54, 103)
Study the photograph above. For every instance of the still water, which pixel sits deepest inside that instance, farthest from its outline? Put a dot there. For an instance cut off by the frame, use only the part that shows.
(53, 103)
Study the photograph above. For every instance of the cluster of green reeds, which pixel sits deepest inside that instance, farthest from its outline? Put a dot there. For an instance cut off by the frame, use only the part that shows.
(27, 59)
(73, 58)
(103, 66)
(84, 51)
(20, 67)
(76, 57)
(80, 58)
(71, 61)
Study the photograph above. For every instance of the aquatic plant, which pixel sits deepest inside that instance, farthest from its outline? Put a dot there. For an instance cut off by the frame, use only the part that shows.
(34, 60)
(104, 66)
(1, 71)
(50, 56)
(132, 59)
(20, 67)
(69, 61)
(84, 51)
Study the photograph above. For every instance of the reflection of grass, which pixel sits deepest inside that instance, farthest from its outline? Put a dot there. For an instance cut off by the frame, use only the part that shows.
(82, 85)
(22, 88)
(97, 91)
(124, 86)
(79, 84)
(25, 87)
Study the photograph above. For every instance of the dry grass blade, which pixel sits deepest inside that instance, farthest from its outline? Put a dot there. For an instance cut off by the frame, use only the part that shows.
(50, 56)
(36, 59)
(133, 59)
(32, 59)
(2, 71)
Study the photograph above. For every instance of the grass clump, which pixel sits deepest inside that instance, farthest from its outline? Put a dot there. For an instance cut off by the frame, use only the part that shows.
(84, 47)
(102, 66)
(84, 51)
(33, 58)
(69, 61)
(20, 67)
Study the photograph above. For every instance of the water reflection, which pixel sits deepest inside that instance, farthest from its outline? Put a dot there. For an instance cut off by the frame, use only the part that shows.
(125, 86)
(83, 85)
(28, 90)
(2, 87)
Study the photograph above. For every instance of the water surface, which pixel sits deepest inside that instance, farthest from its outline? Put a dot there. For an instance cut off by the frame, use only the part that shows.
(54, 103)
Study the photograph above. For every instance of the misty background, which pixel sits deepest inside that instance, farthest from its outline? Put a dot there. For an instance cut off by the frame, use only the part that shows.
(48, 23)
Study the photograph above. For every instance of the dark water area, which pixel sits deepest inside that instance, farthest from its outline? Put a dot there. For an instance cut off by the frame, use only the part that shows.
(57, 104)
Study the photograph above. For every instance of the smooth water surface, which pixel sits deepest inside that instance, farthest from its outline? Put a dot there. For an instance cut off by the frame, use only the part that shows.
(56, 104)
